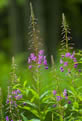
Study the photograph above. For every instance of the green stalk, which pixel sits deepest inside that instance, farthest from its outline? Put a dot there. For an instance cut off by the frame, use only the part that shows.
(52, 117)
(59, 91)
(59, 103)
(38, 90)
(10, 105)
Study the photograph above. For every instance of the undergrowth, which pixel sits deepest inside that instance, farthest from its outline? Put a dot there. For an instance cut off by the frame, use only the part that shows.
(48, 93)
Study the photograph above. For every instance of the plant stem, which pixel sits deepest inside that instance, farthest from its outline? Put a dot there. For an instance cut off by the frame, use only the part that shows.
(38, 90)
(59, 104)
(52, 117)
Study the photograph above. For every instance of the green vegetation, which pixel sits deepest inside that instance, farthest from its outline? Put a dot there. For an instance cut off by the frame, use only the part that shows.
(33, 90)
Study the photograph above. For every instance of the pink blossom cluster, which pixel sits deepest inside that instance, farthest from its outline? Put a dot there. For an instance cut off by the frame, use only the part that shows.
(38, 60)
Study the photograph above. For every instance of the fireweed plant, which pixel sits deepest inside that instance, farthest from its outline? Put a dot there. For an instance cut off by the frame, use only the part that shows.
(12, 112)
(59, 98)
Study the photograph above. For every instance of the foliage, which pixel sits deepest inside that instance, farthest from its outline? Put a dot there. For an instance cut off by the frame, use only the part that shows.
(46, 93)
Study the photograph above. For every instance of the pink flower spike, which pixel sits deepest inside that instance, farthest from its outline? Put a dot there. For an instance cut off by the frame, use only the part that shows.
(40, 57)
(32, 55)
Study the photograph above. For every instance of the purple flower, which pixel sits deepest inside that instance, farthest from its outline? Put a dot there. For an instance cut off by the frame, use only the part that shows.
(7, 101)
(65, 92)
(41, 52)
(66, 97)
(69, 102)
(54, 92)
(61, 61)
(7, 118)
(34, 58)
(39, 62)
(79, 70)
(62, 69)
(45, 62)
(75, 65)
(29, 60)
(9, 96)
(54, 105)
(18, 91)
(73, 52)
(46, 67)
(14, 92)
(67, 54)
(11, 120)
(32, 55)
(44, 57)
(38, 66)
(15, 104)
(62, 56)
(74, 59)
(24, 104)
(30, 66)
(72, 56)
(65, 63)
(11, 102)
(40, 57)
(58, 98)
(18, 97)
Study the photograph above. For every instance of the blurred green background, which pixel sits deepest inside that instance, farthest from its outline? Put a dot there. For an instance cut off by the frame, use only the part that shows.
(14, 24)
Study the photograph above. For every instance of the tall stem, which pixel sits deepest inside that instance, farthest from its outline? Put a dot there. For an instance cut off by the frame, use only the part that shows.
(52, 117)
(35, 41)
(38, 90)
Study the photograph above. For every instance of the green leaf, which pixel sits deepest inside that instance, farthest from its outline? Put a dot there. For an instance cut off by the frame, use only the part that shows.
(15, 86)
(31, 104)
(25, 83)
(24, 118)
(34, 93)
(44, 94)
(34, 111)
(34, 120)
(66, 106)
(75, 105)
